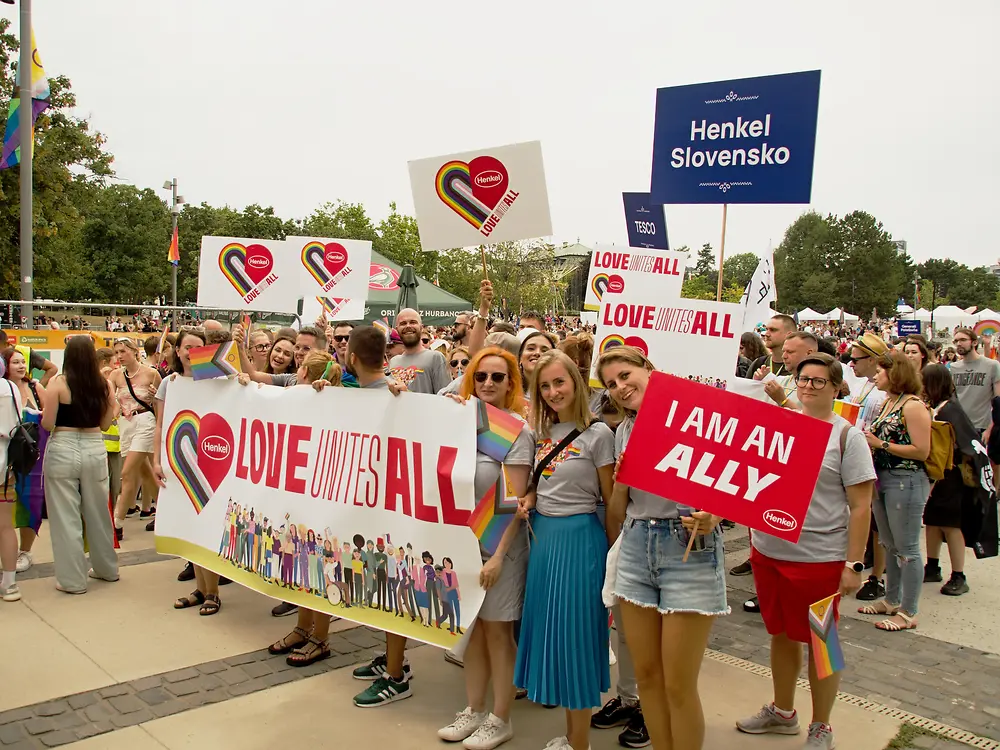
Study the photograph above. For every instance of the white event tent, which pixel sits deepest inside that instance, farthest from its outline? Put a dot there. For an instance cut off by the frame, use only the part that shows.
(808, 315)
(987, 314)
(949, 316)
(836, 312)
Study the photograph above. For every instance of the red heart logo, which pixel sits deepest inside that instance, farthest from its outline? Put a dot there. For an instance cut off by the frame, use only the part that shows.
(334, 258)
(215, 449)
(258, 263)
(489, 180)
(616, 284)
(638, 343)
(200, 453)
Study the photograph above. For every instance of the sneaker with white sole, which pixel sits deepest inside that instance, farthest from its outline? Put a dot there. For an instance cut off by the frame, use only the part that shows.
(558, 743)
(24, 561)
(769, 721)
(11, 594)
(383, 691)
(377, 668)
(820, 737)
(465, 724)
(491, 734)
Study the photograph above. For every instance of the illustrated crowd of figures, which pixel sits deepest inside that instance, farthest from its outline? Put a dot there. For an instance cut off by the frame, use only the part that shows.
(373, 574)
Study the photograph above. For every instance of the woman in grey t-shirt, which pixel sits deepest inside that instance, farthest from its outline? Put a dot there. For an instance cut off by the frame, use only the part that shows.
(493, 378)
(565, 621)
(657, 591)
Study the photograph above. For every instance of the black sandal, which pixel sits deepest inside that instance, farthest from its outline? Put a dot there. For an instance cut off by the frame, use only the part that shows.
(301, 657)
(211, 606)
(284, 647)
(194, 599)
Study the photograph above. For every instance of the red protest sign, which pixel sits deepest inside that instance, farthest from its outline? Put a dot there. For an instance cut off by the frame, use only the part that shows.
(713, 450)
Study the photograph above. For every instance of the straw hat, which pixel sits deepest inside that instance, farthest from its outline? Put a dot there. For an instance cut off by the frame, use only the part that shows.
(872, 344)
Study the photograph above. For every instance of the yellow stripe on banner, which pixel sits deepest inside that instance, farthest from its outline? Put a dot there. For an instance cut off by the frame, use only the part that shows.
(362, 615)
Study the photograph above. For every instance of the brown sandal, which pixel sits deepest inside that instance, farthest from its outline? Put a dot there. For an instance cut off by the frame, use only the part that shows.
(211, 606)
(284, 647)
(313, 651)
(194, 599)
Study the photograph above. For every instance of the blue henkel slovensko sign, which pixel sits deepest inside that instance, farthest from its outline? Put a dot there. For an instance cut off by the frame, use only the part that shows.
(749, 140)
(647, 226)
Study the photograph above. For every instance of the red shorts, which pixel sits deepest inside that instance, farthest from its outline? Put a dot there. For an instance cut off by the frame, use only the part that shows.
(786, 589)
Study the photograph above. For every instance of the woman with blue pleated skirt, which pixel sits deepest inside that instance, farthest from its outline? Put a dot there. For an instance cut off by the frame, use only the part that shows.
(562, 655)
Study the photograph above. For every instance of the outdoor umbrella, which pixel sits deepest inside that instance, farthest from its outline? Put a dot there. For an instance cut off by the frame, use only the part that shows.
(407, 289)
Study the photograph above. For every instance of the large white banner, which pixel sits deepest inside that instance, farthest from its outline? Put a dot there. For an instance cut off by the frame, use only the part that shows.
(247, 274)
(616, 270)
(479, 197)
(332, 268)
(351, 502)
(690, 338)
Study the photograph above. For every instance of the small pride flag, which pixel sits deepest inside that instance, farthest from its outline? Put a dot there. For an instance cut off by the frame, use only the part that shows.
(847, 410)
(163, 337)
(493, 514)
(828, 655)
(383, 326)
(174, 253)
(215, 361)
(496, 431)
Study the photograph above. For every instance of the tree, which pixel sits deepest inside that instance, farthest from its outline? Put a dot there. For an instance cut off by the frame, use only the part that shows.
(523, 274)
(706, 261)
(739, 269)
(340, 220)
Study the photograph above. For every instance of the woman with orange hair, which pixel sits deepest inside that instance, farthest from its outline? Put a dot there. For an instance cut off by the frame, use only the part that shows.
(493, 377)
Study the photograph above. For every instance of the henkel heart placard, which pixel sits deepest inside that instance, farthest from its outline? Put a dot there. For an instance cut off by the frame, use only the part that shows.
(332, 309)
(200, 453)
(481, 197)
(616, 269)
(246, 274)
(332, 268)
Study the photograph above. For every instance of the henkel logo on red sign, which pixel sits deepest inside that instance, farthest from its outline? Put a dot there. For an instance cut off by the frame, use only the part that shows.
(715, 450)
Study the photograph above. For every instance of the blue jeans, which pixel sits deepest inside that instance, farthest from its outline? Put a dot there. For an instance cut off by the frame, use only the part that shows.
(899, 511)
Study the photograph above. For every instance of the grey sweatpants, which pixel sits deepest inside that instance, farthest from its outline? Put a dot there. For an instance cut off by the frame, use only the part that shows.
(628, 688)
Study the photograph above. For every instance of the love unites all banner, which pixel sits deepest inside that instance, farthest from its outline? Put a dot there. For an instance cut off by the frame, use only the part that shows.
(358, 506)
(617, 270)
(718, 451)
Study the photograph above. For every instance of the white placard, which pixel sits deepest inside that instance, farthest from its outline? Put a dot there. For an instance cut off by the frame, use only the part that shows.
(332, 308)
(615, 270)
(247, 274)
(332, 268)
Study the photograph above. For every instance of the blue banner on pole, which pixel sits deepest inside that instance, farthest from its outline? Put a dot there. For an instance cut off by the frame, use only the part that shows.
(646, 224)
(907, 327)
(750, 140)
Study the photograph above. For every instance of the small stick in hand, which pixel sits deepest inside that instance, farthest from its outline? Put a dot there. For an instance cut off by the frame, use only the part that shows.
(694, 535)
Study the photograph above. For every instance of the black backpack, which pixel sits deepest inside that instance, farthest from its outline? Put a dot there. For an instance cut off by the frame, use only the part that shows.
(22, 451)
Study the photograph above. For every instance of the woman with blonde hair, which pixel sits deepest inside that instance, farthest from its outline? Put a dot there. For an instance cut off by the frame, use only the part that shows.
(258, 346)
(574, 463)
(493, 377)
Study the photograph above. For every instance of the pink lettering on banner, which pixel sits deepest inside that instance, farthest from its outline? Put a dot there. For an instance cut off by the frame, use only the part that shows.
(750, 462)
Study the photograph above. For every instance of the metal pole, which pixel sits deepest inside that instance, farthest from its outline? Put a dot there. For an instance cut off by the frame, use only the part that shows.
(173, 214)
(722, 252)
(27, 136)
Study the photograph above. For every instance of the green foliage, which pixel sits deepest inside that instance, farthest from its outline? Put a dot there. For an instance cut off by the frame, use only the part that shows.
(739, 269)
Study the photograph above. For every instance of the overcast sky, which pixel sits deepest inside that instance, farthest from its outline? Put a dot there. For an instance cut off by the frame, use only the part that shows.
(292, 103)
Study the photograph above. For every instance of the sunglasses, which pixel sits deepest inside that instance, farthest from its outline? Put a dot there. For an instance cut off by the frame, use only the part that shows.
(456, 363)
(496, 377)
(341, 339)
(855, 360)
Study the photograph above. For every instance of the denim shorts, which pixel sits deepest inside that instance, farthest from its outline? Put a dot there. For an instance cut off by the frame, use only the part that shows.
(651, 574)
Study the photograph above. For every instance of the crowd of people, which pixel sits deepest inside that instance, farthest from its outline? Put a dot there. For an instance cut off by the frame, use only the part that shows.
(102, 416)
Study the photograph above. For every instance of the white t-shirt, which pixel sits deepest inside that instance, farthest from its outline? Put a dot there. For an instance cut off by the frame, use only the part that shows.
(10, 407)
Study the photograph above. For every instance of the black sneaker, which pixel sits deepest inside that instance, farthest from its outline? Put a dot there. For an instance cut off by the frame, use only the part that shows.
(284, 609)
(132, 511)
(635, 734)
(119, 533)
(956, 586)
(615, 713)
(743, 569)
(151, 526)
(187, 574)
(147, 513)
(752, 605)
(873, 589)
(223, 581)
(933, 575)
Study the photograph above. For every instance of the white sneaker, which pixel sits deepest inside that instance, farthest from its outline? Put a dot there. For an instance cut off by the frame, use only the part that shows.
(491, 734)
(612, 659)
(558, 743)
(10, 594)
(24, 561)
(466, 722)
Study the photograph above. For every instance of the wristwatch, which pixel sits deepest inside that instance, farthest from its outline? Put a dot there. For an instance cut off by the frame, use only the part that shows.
(885, 445)
(857, 567)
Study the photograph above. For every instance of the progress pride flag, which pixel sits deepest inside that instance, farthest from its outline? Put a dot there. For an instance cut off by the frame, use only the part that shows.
(713, 450)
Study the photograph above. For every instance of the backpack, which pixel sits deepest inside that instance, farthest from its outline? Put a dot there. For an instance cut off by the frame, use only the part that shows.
(942, 455)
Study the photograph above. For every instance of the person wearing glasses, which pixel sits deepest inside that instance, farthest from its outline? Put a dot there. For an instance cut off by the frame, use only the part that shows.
(258, 346)
(458, 361)
(825, 561)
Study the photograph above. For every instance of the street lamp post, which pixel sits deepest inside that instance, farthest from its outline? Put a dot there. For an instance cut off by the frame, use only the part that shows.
(176, 201)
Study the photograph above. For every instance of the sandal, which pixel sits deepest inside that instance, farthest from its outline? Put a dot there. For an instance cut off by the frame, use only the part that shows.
(880, 607)
(194, 599)
(211, 606)
(313, 651)
(284, 647)
(891, 626)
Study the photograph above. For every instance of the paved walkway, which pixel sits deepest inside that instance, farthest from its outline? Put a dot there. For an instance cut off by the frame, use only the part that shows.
(119, 668)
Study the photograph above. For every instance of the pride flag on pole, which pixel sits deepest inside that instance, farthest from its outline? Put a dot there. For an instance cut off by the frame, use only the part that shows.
(826, 650)
(174, 254)
(10, 155)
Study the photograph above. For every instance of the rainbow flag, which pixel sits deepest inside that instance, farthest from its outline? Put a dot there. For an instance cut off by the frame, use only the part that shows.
(828, 655)
(215, 361)
(494, 513)
(847, 410)
(496, 430)
(10, 155)
(383, 326)
(174, 254)
(246, 323)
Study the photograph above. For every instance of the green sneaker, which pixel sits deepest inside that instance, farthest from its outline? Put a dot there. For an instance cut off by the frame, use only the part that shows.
(376, 668)
(384, 690)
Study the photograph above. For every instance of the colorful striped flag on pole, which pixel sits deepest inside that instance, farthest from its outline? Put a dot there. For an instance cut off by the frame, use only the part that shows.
(174, 255)
(10, 156)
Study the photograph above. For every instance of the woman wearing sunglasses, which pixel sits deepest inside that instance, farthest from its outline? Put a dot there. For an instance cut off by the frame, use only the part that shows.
(458, 361)
(493, 378)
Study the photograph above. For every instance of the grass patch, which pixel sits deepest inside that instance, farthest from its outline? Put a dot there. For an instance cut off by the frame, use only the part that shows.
(907, 734)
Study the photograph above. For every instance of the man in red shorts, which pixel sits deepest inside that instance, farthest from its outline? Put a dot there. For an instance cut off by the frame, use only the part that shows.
(827, 560)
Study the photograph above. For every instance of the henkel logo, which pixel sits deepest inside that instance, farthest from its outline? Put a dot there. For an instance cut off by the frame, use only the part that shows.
(780, 520)
(257, 261)
(214, 446)
(488, 178)
(335, 256)
(616, 285)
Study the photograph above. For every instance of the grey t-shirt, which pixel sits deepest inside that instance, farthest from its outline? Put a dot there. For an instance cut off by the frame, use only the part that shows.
(380, 383)
(423, 372)
(522, 453)
(974, 382)
(569, 485)
(824, 533)
(284, 380)
(641, 504)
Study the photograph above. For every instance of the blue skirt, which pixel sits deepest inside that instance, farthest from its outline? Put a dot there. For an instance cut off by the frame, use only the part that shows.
(562, 652)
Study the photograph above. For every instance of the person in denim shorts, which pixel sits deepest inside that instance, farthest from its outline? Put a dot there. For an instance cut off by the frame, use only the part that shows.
(667, 606)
